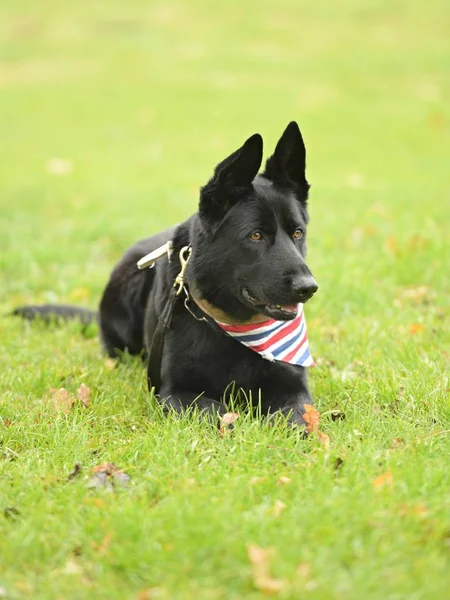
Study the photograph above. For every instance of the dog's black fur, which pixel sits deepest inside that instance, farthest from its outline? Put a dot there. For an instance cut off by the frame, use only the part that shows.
(231, 271)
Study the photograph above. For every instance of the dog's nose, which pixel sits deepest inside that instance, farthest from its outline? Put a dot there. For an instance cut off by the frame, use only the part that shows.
(304, 287)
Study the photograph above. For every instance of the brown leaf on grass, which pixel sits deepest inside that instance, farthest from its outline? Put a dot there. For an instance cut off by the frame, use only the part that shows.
(149, 594)
(382, 481)
(304, 572)
(107, 475)
(59, 166)
(311, 416)
(76, 471)
(278, 508)
(283, 480)
(255, 480)
(62, 400)
(416, 328)
(324, 439)
(225, 421)
(110, 364)
(103, 547)
(337, 415)
(11, 512)
(260, 559)
(105, 467)
(84, 394)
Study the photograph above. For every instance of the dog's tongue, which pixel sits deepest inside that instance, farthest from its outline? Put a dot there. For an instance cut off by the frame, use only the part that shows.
(290, 307)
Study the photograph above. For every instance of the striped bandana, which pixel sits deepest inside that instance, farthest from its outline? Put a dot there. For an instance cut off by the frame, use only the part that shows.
(276, 340)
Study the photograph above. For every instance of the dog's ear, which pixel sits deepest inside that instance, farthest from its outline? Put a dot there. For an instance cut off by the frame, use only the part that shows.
(288, 163)
(232, 179)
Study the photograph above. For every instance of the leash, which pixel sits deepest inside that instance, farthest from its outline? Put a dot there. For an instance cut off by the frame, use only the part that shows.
(156, 350)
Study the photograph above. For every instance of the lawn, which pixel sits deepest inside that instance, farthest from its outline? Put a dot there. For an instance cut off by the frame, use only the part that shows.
(112, 114)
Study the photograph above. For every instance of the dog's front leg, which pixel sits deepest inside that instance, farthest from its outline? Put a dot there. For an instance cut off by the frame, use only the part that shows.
(293, 408)
(181, 401)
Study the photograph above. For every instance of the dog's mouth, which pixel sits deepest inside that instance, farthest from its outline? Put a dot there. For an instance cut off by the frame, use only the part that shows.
(280, 312)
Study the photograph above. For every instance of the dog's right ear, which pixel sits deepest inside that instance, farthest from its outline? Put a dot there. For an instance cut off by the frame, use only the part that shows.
(232, 179)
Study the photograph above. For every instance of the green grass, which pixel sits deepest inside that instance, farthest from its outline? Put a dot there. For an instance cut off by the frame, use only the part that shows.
(144, 99)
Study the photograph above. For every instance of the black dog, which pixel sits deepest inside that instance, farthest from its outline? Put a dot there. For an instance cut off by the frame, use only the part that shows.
(245, 252)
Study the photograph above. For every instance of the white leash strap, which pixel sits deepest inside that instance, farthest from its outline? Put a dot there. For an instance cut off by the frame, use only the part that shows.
(150, 259)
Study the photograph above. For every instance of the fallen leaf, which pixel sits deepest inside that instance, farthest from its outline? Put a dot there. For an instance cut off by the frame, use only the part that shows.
(107, 475)
(311, 416)
(72, 567)
(121, 479)
(100, 481)
(283, 480)
(255, 480)
(337, 415)
(324, 439)
(396, 443)
(103, 546)
(226, 420)
(76, 471)
(106, 467)
(149, 594)
(7, 422)
(110, 363)
(59, 166)
(415, 328)
(382, 481)
(260, 561)
(11, 512)
(338, 463)
(304, 570)
(62, 400)
(278, 508)
(83, 394)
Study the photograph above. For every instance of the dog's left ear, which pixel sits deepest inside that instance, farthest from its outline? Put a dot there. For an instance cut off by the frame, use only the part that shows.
(288, 163)
(232, 180)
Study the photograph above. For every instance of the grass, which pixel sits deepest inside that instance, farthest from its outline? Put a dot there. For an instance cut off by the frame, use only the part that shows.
(112, 114)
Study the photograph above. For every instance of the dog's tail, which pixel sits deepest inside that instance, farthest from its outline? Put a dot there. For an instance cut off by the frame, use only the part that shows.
(51, 313)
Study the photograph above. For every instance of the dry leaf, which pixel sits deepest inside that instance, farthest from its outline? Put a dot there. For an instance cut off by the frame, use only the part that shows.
(110, 363)
(260, 561)
(11, 512)
(311, 416)
(149, 594)
(383, 480)
(304, 570)
(107, 475)
(103, 547)
(415, 328)
(283, 480)
(59, 166)
(278, 508)
(62, 400)
(76, 471)
(83, 394)
(324, 439)
(226, 420)
(255, 480)
(106, 467)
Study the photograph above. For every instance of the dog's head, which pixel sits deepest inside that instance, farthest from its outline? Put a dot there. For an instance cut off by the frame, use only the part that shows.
(250, 244)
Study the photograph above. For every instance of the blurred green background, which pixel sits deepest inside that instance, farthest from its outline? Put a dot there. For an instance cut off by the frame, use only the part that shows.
(114, 113)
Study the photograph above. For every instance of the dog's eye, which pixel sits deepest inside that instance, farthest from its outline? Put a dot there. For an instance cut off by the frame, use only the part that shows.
(297, 234)
(256, 236)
